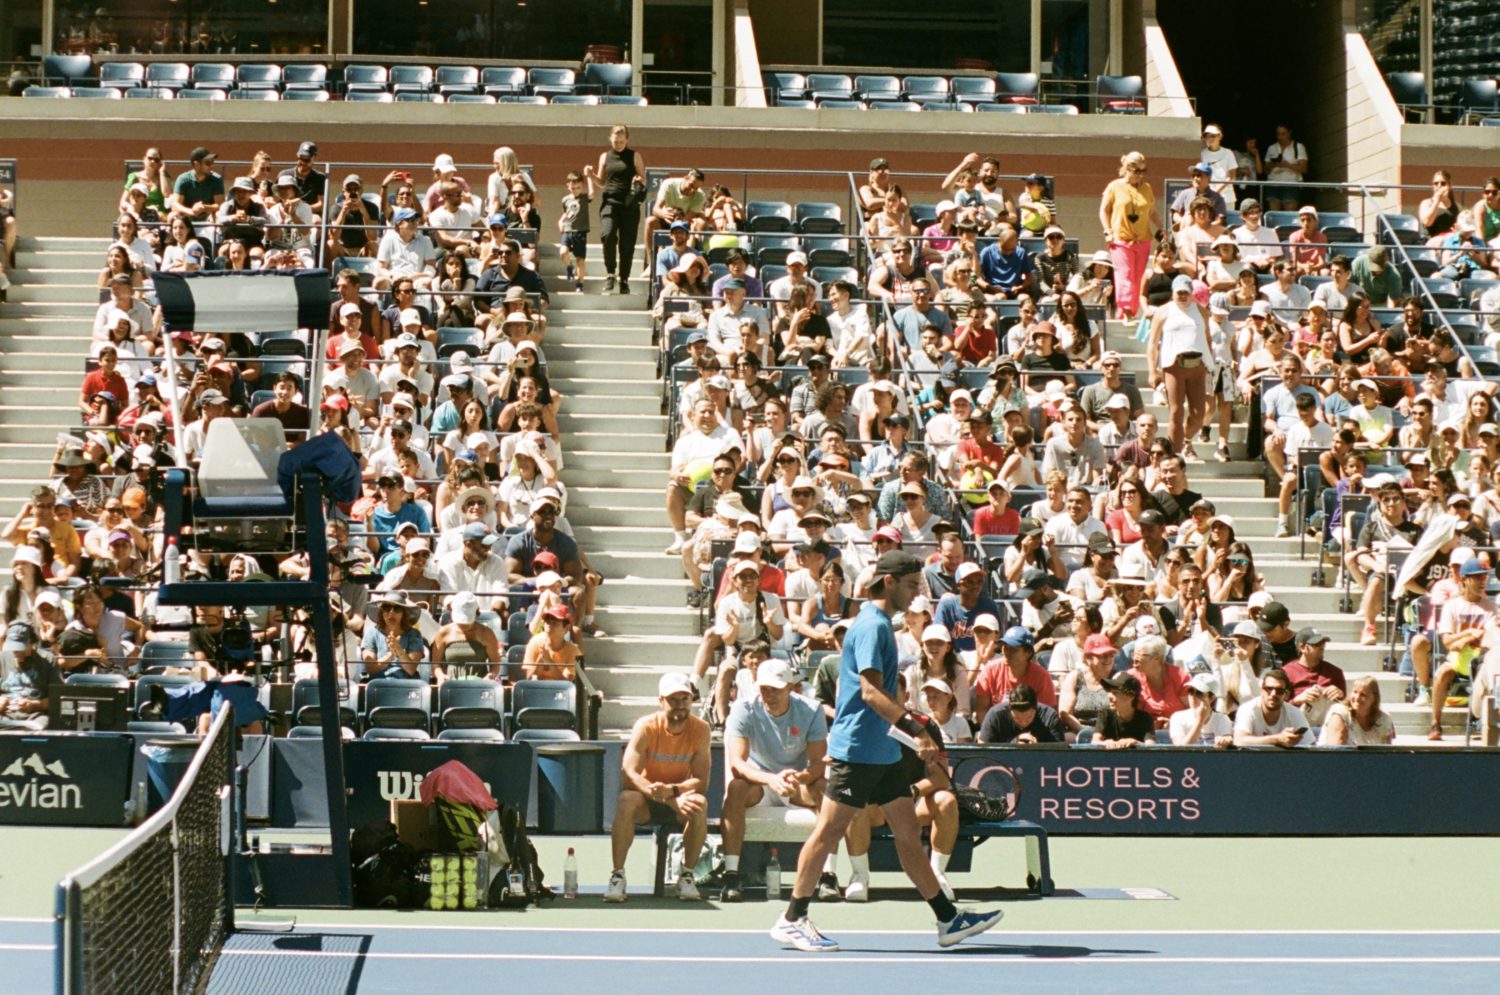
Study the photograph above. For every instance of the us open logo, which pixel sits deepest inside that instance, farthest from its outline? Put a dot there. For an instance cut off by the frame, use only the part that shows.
(31, 782)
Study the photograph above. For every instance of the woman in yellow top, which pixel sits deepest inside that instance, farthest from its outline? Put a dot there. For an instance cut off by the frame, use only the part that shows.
(549, 656)
(1127, 213)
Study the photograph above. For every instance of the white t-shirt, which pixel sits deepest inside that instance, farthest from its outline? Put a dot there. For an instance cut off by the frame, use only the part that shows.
(1252, 721)
(1072, 537)
(1284, 153)
(731, 612)
(1224, 164)
(1262, 243)
(1381, 734)
(1299, 436)
(1181, 723)
(694, 446)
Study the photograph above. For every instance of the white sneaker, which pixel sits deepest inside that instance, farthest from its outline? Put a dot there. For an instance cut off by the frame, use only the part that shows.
(945, 886)
(801, 934)
(616, 890)
(859, 888)
(1423, 698)
(1283, 529)
(1159, 397)
(1189, 454)
(687, 890)
(676, 548)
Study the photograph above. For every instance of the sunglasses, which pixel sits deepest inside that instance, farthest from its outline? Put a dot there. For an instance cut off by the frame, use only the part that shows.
(1272, 689)
(723, 472)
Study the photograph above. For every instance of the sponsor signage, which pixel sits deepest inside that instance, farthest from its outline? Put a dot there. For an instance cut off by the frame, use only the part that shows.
(1169, 792)
(65, 780)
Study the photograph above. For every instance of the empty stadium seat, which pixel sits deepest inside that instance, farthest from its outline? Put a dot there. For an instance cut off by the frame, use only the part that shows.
(397, 703)
(471, 98)
(212, 76)
(451, 340)
(99, 680)
(1119, 94)
(398, 733)
(923, 215)
(170, 75)
(549, 81)
(456, 79)
(1444, 293)
(158, 653)
(67, 70)
(622, 100)
(365, 79)
(410, 79)
(122, 75)
(1406, 228)
(796, 102)
(1001, 108)
(313, 732)
(473, 735)
(258, 76)
(1066, 109)
(97, 93)
(1477, 98)
(470, 703)
(871, 87)
(784, 86)
(580, 99)
(306, 76)
(214, 94)
(768, 216)
(370, 96)
(828, 274)
(830, 86)
(306, 707)
(1018, 88)
(974, 89)
(317, 96)
(499, 80)
(827, 250)
(608, 78)
(818, 218)
(926, 89)
(1339, 226)
(544, 705)
(772, 250)
(894, 105)
(546, 736)
(522, 98)
(53, 92)
(837, 104)
(150, 93)
(420, 97)
(254, 95)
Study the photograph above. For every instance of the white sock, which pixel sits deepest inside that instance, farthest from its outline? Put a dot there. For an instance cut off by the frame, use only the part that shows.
(831, 865)
(731, 862)
(681, 534)
(588, 620)
(860, 864)
(940, 862)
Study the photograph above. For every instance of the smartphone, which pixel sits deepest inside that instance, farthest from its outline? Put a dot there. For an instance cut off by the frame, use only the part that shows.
(405, 177)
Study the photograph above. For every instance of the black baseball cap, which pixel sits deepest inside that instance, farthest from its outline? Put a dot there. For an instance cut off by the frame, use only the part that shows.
(897, 563)
(1273, 615)
(1123, 681)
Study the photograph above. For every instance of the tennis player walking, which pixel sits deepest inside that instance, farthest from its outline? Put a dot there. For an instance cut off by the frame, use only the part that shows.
(866, 764)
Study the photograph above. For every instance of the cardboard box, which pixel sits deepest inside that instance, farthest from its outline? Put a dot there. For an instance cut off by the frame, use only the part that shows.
(415, 825)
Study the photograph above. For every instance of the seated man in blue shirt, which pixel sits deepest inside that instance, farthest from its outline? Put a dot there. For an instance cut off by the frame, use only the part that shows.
(397, 505)
(23, 691)
(1005, 269)
(774, 744)
(1279, 406)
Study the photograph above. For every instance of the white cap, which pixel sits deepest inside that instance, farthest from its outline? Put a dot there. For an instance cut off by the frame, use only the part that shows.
(747, 542)
(986, 621)
(444, 164)
(796, 257)
(1115, 401)
(410, 316)
(350, 308)
(1259, 599)
(745, 566)
(418, 545)
(28, 554)
(939, 632)
(464, 605)
(1248, 629)
(945, 205)
(1207, 683)
(966, 570)
(961, 393)
(406, 399)
(47, 597)
(1261, 309)
(775, 673)
(921, 603)
(459, 362)
(938, 683)
(674, 683)
(548, 578)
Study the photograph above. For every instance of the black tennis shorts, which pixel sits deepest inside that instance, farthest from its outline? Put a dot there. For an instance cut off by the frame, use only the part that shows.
(859, 785)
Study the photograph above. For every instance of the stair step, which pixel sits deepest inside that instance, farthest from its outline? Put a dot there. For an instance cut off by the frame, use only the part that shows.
(590, 403)
(576, 477)
(71, 292)
(583, 426)
(615, 442)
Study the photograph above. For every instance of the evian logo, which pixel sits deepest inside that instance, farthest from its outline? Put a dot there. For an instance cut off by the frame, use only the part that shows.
(403, 785)
(39, 787)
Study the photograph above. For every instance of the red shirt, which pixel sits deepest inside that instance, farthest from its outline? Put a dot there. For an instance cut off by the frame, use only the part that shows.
(97, 380)
(1171, 697)
(987, 522)
(336, 342)
(995, 682)
(1302, 678)
(989, 453)
(981, 343)
(772, 581)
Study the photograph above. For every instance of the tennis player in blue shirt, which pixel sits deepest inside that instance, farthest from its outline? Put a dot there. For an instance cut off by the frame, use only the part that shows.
(866, 766)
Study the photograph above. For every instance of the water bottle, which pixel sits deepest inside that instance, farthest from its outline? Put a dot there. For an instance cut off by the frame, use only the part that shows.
(570, 875)
(171, 563)
(773, 877)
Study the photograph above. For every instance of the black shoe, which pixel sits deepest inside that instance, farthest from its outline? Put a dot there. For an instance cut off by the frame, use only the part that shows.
(609, 283)
(828, 887)
(732, 891)
(1205, 434)
(624, 286)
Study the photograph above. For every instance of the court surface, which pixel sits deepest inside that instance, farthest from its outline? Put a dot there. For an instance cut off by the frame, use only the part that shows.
(1371, 915)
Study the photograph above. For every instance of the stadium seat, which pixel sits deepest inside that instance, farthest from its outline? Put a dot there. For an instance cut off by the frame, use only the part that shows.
(796, 102)
(254, 95)
(159, 728)
(830, 86)
(1282, 222)
(122, 75)
(828, 274)
(212, 76)
(1065, 109)
(877, 87)
(1001, 108)
(456, 79)
(1406, 227)
(365, 79)
(768, 216)
(97, 93)
(157, 653)
(144, 684)
(420, 97)
(150, 93)
(546, 736)
(1444, 292)
(923, 215)
(451, 340)
(411, 79)
(370, 96)
(258, 76)
(473, 735)
(974, 89)
(67, 70)
(397, 733)
(1409, 90)
(1339, 226)
(770, 274)
(622, 100)
(926, 90)
(1018, 88)
(828, 250)
(308, 76)
(470, 703)
(835, 104)
(522, 98)
(577, 99)
(608, 78)
(202, 94)
(549, 81)
(1477, 98)
(168, 75)
(500, 80)
(306, 707)
(53, 92)
(317, 96)
(471, 98)
(396, 703)
(784, 86)
(544, 705)
(99, 680)
(1466, 327)
(818, 218)
(313, 732)
(1119, 94)
(894, 105)
(772, 250)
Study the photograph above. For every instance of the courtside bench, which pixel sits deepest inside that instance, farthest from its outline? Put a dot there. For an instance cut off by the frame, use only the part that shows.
(774, 824)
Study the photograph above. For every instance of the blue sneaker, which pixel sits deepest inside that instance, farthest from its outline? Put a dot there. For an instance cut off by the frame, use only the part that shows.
(803, 935)
(965, 925)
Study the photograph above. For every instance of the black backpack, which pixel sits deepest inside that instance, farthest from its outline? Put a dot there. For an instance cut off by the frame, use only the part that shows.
(386, 871)
(520, 881)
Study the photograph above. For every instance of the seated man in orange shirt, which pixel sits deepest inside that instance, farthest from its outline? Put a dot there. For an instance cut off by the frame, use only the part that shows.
(663, 776)
(1018, 668)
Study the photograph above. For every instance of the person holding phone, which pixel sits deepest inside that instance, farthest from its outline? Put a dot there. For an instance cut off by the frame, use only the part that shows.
(1271, 719)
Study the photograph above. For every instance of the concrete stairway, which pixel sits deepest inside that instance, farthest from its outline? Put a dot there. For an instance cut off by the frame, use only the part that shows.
(44, 337)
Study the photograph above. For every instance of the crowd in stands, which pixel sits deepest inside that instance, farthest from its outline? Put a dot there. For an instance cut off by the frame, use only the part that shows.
(458, 558)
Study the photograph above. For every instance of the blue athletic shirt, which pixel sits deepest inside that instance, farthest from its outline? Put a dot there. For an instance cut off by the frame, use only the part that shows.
(858, 735)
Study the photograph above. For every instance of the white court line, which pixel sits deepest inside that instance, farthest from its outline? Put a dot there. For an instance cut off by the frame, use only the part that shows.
(27, 947)
(933, 958)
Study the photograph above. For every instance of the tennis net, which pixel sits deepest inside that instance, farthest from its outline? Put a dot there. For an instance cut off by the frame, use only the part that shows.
(150, 914)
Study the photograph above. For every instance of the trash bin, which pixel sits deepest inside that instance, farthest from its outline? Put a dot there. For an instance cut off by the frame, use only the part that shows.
(570, 789)
(167, 760)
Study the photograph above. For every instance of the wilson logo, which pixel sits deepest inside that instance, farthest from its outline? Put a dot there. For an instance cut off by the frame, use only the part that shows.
(403, 785)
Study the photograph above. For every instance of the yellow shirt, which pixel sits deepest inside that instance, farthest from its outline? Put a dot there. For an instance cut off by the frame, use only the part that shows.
(1129, 211)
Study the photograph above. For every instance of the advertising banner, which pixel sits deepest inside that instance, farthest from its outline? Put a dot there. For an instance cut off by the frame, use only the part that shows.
(65, 780)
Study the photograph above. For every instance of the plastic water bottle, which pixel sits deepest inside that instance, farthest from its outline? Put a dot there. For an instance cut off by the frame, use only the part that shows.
(171, 563)
(570, 875)
(773, 877)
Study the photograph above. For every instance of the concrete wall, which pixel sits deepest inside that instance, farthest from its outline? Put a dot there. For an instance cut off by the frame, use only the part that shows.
(1371, 132)
(70, 153)
(787, 31)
